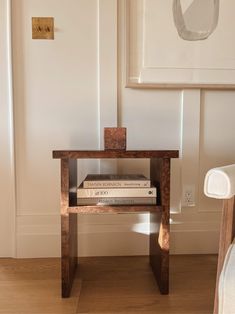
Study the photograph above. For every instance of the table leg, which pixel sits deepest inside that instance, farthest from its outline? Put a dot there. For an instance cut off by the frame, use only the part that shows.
(159, 251)
(68, 252)
(68, 225)
(160, 228)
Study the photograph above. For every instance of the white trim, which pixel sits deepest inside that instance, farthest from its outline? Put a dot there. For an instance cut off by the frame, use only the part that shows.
(30, 213)
(190, 142)
(121, 243)
(98, 74)
(194, 242)
(107, 73)
(8, 119)
(111, 235)
(11, 120)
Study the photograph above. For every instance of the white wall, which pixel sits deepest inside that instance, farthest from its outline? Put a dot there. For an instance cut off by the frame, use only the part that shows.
(198, 123)
(56, 107)
(65, 92)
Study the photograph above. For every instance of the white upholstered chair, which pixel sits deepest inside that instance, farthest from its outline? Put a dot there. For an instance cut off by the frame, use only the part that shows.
(220, 183)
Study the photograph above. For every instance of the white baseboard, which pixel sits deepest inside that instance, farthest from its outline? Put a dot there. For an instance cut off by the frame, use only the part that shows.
(115, 235)
(194, 242)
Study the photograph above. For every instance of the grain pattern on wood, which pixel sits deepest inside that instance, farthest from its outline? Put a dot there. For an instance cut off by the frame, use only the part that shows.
(68, 252)
(155, 254)
(227, 234)
(64, 191)
(114, 138)
(132, 289)
(114, 209)
(31, 286)
(68, 227)
(160, 237)
(76, 154)
(72, 181)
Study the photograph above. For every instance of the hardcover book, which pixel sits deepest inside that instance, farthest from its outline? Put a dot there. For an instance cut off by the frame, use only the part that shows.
(115, 181)
(116, 192)
(117, 201)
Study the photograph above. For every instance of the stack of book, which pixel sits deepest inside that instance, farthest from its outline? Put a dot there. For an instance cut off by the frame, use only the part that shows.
(113, 189)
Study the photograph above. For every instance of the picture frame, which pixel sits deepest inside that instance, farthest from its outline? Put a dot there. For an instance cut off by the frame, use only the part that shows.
(156, 56)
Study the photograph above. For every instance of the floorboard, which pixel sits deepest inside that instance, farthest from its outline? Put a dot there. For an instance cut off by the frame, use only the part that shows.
(108, 285)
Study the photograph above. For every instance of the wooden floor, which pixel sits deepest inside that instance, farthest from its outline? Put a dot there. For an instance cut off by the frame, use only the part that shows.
(109, 285)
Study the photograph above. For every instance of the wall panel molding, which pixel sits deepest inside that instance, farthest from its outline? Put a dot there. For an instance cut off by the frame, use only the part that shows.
(107, 73)
(7, 168)
(109, 236)
(190, 142)
(107, 65)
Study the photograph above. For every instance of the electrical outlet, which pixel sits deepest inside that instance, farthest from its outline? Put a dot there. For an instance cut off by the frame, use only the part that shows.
(188, 196)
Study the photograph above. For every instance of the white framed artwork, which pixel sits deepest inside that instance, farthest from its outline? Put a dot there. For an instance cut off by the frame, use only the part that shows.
(180, 43)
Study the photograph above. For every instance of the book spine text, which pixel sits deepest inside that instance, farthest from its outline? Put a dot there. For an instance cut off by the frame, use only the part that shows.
(116, 192)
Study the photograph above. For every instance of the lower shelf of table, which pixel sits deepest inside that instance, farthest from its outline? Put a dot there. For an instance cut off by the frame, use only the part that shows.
(114, 209)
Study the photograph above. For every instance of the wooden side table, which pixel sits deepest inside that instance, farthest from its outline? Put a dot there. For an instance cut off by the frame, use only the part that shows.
(159, 214)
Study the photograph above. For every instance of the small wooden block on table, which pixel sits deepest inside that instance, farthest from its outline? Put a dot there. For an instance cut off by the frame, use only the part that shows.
(159, 215)
(115, 138)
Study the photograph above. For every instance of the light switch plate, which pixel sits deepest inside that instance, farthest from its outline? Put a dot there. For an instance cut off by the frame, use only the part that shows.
(42, 28)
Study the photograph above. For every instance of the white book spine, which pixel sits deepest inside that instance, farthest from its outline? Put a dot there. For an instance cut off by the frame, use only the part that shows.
(117, 184)
(116, 192)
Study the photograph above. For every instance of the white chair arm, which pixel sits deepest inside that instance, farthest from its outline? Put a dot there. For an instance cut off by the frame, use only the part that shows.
(220, 182)
(227, 283)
